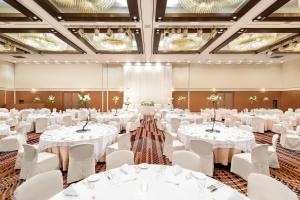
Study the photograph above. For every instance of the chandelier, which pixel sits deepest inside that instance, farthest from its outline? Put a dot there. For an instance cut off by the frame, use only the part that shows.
(208, 6)
(85, 5)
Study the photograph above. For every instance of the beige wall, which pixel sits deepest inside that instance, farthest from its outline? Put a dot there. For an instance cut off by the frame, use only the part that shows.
(228, 77)
(291, 74)
(6, 75)
(68, 76)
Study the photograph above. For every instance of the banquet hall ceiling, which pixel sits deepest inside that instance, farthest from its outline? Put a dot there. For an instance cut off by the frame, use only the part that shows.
(177, 31)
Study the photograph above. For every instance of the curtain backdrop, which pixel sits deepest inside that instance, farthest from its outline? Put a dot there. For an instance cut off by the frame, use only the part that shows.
(148, 82)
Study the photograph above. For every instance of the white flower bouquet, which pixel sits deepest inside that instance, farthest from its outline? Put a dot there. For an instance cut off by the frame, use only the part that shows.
(83, 99)
(252, 99)
(116, 99)
(147, 103)
(214, 98)
(51, 99)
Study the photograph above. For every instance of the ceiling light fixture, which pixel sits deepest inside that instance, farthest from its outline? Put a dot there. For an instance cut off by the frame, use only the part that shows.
(109, 32)
(199, 32)
(81, 33)
(97, 32)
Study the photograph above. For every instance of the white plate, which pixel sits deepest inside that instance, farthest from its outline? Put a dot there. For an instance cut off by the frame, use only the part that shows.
(93, 178)
(144, 166)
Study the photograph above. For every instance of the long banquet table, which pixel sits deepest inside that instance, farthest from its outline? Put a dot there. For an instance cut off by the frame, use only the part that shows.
(148, 182)
(229, 141)
(59, 140)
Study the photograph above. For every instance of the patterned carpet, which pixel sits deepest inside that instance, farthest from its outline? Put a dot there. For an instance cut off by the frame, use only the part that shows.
(147, 144)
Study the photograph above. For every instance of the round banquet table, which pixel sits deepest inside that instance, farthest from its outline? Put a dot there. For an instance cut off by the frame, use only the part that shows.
(53, 119)
(268, 119)
(148, 182)
(59, 140)
(229, 141)
(4, 130)
(123, 116)
(183, 117)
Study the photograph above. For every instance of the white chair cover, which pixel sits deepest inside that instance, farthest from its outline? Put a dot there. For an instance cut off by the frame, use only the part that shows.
(171, 145)
(175, 123)
(40, 187)
(246, 128)
(122, 144)
(118, 158)
(186, 159)
(261, 187)
(273, 158)
(258, 125)
(205, 152)
(67, 120)
(41, 124)
(81, 162)
(34, 163)
(255, 162)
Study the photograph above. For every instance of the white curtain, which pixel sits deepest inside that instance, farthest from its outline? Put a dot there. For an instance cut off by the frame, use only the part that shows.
(152, 82)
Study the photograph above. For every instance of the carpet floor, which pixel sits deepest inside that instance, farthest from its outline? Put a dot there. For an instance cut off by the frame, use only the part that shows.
(147, 145)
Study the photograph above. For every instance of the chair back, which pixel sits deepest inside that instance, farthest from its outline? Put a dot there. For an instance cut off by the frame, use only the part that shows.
(175, 123)
(202, 148)
(259, 158)
(67, 120)
(119, 158)
(24, 114)
(124, 142)
(30, 153)
(274, 141)
(186, 159)
(168, 139)
(262, 187)
(41, 124)
(81, 151)
(40, 187)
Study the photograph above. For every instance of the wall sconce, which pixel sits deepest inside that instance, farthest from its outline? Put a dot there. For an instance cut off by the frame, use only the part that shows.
(33, 90)
(214, 89)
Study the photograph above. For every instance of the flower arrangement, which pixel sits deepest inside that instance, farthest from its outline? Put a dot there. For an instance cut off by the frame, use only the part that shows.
(147, 103)
(116, 99)
(181, 99)
(252, 99)
(51, 99)
(36, 100)
(84, 99)
(214, 98)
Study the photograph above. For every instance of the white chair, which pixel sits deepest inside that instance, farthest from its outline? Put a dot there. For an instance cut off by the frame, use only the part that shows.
(246, 128)
(40, 187)
(175, 123)
(199, 120)
(186, 159)
(255, 162)
(67, 120)
(132, 125)
(290, 140)
(273, 158)
(205, 151)
(171, 145)
(262, 187)
(34, 163)
(10, 143)
(81, 162)
(116, 123)
(122, 144)
(119, 158)
(41, 124)
(279, 128)
(24, 114)
(258, 125)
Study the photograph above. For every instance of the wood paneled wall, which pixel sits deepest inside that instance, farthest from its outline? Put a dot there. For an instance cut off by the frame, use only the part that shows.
(67, 99)
(239, 100)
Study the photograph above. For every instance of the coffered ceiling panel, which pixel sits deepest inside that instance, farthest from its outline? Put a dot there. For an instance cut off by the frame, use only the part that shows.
(39, 40)
(251, 41)
(11, 10)
(111, 40)
(181, 40)
(205, 10)
(92, 10)
(281, 10)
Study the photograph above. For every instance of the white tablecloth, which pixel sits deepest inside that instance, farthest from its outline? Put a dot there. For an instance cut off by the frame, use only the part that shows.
(4, 115)
(123, 116)
(183, 117)
(99, 135)
(269, 120)
(154, 183)
(4, 129)
(228, 137)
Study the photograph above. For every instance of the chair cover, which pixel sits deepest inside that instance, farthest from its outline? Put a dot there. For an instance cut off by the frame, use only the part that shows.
(186, 159)
(119, 158)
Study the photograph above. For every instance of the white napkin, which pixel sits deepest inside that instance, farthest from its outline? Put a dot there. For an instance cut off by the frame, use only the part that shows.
(70, 191)
(125, 169)
(235, 195)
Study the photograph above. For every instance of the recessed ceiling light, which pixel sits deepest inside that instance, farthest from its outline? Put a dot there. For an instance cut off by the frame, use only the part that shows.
(34, 17)
(259, 17)
(159, 18)
(59, 17)
(235, 17)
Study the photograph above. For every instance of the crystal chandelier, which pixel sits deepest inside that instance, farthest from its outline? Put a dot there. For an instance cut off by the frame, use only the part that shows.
(208, 6)
(85, 5)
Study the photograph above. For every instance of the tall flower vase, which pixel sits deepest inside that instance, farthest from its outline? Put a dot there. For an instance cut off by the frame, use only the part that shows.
(87, 121)
(212, 130)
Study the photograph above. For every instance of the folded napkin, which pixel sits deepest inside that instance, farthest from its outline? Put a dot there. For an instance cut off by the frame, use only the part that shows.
(70, 191)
